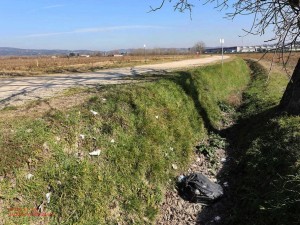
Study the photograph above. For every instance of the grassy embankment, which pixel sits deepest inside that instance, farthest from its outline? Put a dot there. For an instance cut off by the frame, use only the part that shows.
(153, 125)
(268, 153)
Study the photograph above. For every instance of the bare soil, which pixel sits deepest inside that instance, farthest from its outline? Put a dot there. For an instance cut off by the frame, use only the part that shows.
(16, 91)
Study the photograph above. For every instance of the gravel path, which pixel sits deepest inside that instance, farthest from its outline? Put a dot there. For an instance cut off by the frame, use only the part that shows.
(176, 211)
(14, 91)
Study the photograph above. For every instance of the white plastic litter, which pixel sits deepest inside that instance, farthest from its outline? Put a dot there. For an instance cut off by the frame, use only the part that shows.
(223, 160)
(156, 117)
(95, 153)
(217, 218)
(29, 176)
(174, 166)
(94, 112)
(48, 197)
(112, 141)
(82, 136)
(225, 184)
(180, 178)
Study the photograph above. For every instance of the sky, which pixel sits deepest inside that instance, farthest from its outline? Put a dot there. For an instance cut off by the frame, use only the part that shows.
(117, 24)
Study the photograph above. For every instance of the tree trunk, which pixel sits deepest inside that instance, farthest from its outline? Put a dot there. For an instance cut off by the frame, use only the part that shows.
(290, 101)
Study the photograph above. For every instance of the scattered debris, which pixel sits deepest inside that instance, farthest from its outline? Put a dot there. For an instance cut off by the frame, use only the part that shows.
(198, 188)
(29, 176)
(104, 99)
(112, 141)
(223, 160)
(29, 130)
(217, 218)
(40, 207)
(95, 153)
(174, 166)
(94, 112)
(48, 197)
(225, 184)
(82, 136)
(156, 117)
(180, 178)
(171, 149)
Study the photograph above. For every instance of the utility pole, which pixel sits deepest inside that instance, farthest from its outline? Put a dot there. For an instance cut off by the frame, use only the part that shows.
(222, 42)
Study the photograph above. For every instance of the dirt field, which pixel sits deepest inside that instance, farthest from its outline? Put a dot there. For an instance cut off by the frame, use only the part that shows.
(15, 91)
(277, 58)
(22, 66)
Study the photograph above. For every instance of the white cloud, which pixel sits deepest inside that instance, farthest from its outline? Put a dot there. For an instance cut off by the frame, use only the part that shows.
(95, 30)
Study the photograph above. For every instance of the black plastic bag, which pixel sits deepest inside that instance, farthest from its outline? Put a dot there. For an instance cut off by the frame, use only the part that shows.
(198, 189)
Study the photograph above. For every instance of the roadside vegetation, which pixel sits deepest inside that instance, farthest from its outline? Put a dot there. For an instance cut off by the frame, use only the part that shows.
(141, 135)
(265, 145)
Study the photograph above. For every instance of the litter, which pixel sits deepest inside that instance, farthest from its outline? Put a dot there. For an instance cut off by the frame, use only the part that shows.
(48, 197)
(95, 153)
(94, 112)
(217, 218)
(156, 117)
(112, 141)
(223, 160)
(198, 189)
(174, 166)
(82, 136)
(29, 176)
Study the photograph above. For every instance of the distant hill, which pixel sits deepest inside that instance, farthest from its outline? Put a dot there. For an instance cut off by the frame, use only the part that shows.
(6, 51)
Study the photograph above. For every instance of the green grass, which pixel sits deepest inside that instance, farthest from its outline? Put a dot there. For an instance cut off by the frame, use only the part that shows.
(268, 173)
(154, 125)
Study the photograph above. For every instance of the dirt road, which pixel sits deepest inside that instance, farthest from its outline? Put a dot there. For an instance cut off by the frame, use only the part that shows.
(14, 91)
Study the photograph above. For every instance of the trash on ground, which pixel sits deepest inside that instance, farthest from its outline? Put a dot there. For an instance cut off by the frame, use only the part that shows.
(94, 112)
(95, 153)
(156, 117)
(180, 178)
(217, 218)
(82, 136)
(174, 166)
(225, 184)
(223, 160)
(199, 189)
(29, 176)
(112, 140)
(48, 197)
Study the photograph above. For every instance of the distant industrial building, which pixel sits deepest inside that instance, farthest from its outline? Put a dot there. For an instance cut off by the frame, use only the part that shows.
(245, 49)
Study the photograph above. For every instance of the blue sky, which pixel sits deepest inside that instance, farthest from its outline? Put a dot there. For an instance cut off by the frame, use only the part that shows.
(115, 24)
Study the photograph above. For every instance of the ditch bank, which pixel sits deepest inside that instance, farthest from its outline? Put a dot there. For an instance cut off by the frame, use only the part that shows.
(110, 159)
